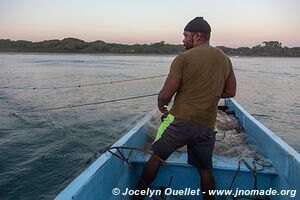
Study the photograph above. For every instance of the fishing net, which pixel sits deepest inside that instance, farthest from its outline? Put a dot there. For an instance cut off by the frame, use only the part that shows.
(231, 140)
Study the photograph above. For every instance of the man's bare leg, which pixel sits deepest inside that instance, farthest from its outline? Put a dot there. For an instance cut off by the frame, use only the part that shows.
(207, 183)
(148, 175)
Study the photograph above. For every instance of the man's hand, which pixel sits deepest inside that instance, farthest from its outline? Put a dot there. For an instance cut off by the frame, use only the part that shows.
(163, 109)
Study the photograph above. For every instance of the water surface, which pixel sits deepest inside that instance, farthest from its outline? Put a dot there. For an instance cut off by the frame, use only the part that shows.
(42, 152)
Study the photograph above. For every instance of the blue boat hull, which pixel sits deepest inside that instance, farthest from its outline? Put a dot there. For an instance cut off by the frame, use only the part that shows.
(109, 172)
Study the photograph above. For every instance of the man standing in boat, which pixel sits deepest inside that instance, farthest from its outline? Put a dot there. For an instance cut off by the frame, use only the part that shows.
(199, 77)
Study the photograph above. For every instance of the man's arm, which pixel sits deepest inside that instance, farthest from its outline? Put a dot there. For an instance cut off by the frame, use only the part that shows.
(230, 86)
(170, 87)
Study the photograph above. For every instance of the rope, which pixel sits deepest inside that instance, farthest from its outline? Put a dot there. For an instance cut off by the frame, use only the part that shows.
(253, 171)
(84, 85)
(233, 179)
(124, 158)
(81, 105)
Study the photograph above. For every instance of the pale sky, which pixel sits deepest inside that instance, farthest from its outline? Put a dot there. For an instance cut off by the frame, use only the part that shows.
(234, 22)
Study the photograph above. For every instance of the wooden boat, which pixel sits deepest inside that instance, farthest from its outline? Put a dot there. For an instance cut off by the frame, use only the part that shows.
(119, 168)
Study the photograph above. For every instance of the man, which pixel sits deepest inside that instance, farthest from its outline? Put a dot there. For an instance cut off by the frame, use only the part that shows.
(200, 76)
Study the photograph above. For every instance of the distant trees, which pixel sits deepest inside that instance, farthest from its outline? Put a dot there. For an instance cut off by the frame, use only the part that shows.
(74, 45)
(267, 48)
(271, 48)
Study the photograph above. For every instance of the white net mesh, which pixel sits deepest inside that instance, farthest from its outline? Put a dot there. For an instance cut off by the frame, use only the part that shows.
(231, 141)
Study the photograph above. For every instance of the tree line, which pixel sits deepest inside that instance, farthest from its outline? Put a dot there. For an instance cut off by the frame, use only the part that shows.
(74, 45)
(267, 48)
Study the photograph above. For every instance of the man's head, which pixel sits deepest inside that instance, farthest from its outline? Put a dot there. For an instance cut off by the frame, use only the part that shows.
(196, 32)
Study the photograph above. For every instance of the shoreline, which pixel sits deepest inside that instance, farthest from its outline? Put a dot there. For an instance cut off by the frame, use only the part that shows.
(130, 54)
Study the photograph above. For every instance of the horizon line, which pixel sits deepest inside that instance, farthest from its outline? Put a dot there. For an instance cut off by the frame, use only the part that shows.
(15, 40)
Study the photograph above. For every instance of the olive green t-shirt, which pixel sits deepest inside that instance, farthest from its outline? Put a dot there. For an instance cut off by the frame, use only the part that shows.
(203, 71)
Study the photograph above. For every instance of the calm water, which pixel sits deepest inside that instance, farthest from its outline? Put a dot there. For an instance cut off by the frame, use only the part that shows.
(42, 152)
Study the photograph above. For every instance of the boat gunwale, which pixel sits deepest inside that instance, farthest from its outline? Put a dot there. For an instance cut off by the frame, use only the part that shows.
(79, 183)
(286, 147)
(84, 177)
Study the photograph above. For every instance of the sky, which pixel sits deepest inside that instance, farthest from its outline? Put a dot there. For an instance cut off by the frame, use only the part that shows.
(234, 23)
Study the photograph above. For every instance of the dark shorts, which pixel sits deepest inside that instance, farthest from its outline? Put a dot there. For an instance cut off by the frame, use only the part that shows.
(174, 133)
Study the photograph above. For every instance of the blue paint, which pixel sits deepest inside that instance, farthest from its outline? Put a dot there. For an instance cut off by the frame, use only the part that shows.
(108, 172)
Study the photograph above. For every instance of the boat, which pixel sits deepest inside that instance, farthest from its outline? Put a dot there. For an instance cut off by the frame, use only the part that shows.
(117, 171)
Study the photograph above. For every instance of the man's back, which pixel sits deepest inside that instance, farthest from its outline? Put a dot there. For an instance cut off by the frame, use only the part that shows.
(203, 71)
(199, 77)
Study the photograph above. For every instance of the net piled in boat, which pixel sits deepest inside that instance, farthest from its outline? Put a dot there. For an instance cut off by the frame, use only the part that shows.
(231, 141)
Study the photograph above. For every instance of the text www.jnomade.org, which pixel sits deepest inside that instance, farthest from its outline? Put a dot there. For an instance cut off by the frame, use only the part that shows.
(195, 192)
